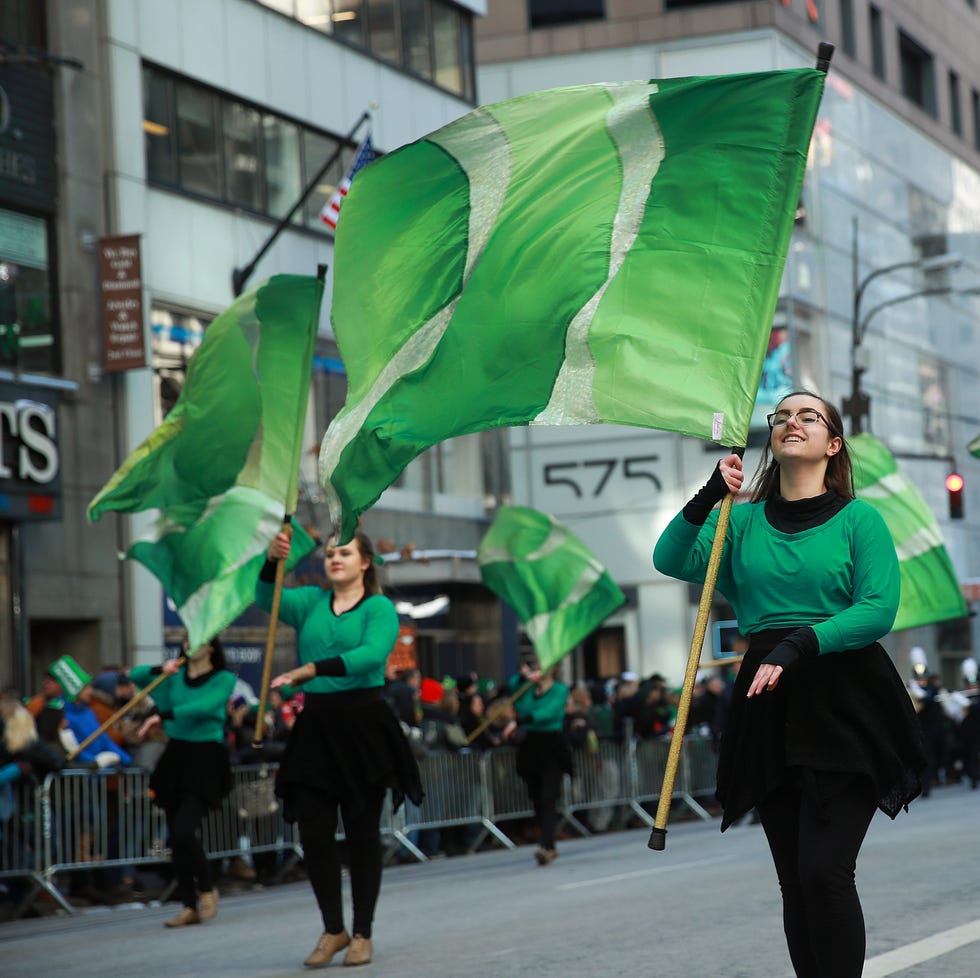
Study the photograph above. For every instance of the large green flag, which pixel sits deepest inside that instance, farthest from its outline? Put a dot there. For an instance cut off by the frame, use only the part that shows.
(557, 587)
(222, 468)
(930, 589)
(601, 253)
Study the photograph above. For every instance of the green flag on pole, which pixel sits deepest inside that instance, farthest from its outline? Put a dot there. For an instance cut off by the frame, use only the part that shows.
(601, 253)
(930, 589)
(222, 468)
(557, 587)
(974, 447)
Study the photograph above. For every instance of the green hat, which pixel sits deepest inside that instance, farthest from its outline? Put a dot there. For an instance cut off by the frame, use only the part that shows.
(69, 675)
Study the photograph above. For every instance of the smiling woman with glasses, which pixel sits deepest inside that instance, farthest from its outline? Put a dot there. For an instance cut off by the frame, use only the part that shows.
(821, 731)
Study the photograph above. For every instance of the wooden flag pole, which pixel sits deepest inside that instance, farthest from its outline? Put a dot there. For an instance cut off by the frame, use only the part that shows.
(122, 711)
(658, 835)
(491, 716)
(270, 642)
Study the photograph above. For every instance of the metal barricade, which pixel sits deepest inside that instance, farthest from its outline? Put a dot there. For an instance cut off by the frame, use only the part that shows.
(600, 785)
(21, 849)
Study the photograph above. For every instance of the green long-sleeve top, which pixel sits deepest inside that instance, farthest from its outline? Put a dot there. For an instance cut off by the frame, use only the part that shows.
(540, 712)
(363, 637)
(841, 577)
(193, 709)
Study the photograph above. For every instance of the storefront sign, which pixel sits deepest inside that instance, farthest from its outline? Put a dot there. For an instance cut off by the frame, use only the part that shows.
(122, 303)
(30, 461)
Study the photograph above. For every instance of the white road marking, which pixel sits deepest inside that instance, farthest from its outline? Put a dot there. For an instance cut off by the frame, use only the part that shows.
(602, 880)
(892, 962)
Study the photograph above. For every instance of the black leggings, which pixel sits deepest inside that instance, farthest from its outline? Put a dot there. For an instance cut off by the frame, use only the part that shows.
(191, 867)
(318, 833)
(544, 787)
(815, 853)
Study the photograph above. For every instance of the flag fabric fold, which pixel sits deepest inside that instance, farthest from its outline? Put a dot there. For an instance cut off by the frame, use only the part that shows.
(556, 586)
(600, 253)
(222, 468)
(930, 589)
(366, 153)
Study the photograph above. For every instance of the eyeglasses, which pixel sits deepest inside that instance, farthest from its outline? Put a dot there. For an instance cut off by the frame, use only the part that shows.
(805, 416)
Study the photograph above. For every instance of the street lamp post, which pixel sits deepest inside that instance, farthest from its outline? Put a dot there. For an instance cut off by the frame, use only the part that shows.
(857, 405)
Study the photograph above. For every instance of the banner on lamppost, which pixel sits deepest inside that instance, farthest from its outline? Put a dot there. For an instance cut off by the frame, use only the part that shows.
(121, 279)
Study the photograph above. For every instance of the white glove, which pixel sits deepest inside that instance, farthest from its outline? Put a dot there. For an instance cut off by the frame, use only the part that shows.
(107, 758)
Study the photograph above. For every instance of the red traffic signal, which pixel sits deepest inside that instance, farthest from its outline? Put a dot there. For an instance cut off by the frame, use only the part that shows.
(954, 490)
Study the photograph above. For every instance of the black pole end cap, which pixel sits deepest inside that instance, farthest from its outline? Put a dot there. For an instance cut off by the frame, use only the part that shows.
(825, 51)
(658, 839)
(258, 745)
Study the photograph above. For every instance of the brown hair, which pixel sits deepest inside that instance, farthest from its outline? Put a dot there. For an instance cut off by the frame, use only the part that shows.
(840, 472)
(371, 583)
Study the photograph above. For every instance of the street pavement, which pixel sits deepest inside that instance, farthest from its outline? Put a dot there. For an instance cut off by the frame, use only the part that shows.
(706, 907)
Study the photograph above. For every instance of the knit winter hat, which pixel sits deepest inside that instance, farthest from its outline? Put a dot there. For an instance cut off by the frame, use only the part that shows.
(431, 691)
(69, 675)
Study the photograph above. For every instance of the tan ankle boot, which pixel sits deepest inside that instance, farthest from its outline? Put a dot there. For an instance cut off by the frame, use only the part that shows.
(207, 905)
(359, 951)
(187, 916)
(326, 948)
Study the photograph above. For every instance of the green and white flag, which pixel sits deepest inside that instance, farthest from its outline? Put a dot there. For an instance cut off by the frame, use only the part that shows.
(601, 253)
(222, 468)
(558, 589)
(974, 447)
(930, 589)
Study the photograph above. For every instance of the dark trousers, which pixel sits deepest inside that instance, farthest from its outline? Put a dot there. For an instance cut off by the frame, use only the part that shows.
(317, 833)
(815, 852)
(544, 787)
(193, 875)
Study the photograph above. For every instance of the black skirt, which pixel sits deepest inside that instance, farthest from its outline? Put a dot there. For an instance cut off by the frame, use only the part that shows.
(344, 746)
(187, 767)
(831, 718)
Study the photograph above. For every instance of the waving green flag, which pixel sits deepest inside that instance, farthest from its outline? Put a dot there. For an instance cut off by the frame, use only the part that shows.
(558, 589)
(601, 253)
(930, 589)
(222, 468)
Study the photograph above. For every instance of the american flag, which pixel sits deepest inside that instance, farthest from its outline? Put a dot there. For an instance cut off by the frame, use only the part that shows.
(330, 214)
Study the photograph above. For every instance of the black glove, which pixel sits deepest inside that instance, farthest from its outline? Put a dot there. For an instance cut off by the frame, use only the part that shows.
(713, 491)
(802, 642)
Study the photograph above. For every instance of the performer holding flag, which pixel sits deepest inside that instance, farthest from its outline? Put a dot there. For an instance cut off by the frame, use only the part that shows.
(821, 731)
(346, 748)
(193, 774)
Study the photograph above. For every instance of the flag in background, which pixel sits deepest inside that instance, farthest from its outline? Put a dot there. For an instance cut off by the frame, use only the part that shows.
(366, 153)
(974, 447)
(557, 587)
(600, 253)
(222, 467)
(930, 589)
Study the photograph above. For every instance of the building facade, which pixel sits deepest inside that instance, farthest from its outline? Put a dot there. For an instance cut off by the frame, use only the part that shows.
(162, 144)
(893, 178)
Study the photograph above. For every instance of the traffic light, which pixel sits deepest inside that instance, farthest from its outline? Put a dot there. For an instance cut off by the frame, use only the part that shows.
(954, 489)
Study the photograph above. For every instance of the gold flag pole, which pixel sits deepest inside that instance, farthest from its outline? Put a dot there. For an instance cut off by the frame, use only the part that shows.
(493, 714)
(658, 834)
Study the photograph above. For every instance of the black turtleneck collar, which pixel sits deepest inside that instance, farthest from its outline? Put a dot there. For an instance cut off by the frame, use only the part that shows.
(796, 515)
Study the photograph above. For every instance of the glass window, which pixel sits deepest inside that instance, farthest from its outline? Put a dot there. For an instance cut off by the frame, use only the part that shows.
(27, 339)
(446, 47)
(877, 41)
(955, 116)
(158, 128)
(283, 167)
(317, 150)
(918, 75)
(348, 21)
(548, 13)
(847, 41)
(416, 49)
(316, 13)
(197, 138)
(243, 156)
(384, 29)
(175, 337)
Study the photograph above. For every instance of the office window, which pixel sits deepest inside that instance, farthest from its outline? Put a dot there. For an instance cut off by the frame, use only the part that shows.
(446, 46)
(317, 150)
(918, 73)
(877, 31)
(243, 156)
(955, 116)
(349, 21)
(415, 27)
(382, 18)
(197, 140)
(847, 41)
(283, 166)
(552, 13)
(159, 130)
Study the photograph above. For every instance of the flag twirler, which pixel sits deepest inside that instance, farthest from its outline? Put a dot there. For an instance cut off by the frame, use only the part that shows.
(366, 153)
(222, 467)
(930, 589)
(557, 587)
(601, 253)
